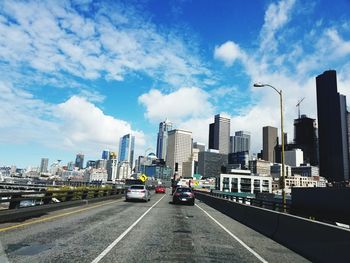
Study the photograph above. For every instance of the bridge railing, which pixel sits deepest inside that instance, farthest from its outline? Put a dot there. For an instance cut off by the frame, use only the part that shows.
(275, 205)
(27, 199)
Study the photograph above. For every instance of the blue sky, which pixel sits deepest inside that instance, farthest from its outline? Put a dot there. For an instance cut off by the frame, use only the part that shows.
(77, 75)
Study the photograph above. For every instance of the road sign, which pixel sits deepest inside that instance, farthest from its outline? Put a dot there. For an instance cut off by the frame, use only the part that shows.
(143, 177)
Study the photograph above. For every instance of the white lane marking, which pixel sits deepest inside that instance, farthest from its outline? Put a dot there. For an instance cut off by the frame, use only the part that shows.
(115, 242)
(232, 235)
(3, 257)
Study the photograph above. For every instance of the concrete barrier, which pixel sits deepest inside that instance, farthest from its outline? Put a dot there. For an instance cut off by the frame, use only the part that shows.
(23, 213)
(319, 242)
(264, 220)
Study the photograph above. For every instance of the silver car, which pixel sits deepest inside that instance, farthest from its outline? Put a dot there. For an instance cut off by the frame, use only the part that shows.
(137, 192)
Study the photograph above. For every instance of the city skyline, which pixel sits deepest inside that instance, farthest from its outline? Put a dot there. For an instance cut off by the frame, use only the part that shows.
(68, 92)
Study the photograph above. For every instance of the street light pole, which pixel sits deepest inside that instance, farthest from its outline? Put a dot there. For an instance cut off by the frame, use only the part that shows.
(282, 140)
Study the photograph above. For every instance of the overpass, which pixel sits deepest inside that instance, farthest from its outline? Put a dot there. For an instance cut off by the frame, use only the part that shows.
(158, 231)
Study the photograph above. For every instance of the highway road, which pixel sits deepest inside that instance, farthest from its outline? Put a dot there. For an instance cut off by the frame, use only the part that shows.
(119, 231)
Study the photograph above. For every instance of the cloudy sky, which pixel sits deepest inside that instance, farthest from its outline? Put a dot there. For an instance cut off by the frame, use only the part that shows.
(77, 75)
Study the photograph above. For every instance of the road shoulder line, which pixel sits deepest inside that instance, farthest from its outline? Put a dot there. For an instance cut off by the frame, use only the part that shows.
(55, 216)
(235, 237)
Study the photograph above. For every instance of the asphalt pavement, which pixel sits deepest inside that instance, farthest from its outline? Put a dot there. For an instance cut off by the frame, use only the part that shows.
(156, 231)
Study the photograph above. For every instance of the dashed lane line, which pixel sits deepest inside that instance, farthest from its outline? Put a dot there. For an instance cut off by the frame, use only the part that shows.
(115, 242)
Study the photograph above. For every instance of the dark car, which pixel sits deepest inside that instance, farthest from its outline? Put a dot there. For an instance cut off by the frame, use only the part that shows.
(183, 195)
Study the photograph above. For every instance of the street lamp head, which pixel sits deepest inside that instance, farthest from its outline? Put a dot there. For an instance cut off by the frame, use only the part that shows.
(259, 85)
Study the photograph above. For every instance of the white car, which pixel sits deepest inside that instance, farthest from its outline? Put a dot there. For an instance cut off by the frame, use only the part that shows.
(137, 192)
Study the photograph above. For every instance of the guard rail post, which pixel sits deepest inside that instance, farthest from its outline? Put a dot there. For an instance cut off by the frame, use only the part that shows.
(14, 204)
(69, 195)
(47, 198)
(85, 194)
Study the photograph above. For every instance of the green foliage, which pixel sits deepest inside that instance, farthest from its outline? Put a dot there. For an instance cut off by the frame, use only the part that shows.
(77, 192)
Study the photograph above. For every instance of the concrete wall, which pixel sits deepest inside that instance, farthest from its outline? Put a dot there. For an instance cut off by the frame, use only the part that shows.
(331, 204)
(24, 213)
(316, 241)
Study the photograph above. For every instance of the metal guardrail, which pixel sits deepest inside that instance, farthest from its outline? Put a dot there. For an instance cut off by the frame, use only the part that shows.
(15, 199)
(275, 205)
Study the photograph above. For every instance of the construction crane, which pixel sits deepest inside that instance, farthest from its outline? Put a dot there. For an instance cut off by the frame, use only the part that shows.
(298, 105)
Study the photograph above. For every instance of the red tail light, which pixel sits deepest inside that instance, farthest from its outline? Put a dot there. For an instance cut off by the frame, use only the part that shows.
(142, 191)
(177, 194)
(129, 190)
(190, 194)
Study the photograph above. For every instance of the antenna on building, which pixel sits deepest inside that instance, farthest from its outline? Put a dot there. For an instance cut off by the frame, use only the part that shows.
(298, 105)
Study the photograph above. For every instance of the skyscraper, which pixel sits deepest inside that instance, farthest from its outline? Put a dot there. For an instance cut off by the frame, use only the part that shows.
(126, 149)
(162, 139)
(332, 128)
(179, 149)
(211, 136)
(241, 141)
(219, 134)
(199, 146)
(305, 138)
(105, 154)
(79, 161)
(44, 165)
(270, 141)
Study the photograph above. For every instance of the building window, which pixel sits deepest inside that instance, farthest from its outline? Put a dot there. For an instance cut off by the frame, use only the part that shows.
(225, 184)
(234, 185)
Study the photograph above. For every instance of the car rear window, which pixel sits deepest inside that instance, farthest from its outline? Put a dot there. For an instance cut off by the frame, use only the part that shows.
(182, 190)
(137, 187)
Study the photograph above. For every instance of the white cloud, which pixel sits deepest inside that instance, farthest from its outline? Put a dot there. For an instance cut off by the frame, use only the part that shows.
(184, 103)
(74, 125)
(276, 16)
(53, 37)
(87, 125)
(23, 116)
(229, 52)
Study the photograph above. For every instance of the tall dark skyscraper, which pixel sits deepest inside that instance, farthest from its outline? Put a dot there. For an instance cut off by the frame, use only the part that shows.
(162, 139)
(332, 128)
(211, 136)
(219, 134)
(305, 138)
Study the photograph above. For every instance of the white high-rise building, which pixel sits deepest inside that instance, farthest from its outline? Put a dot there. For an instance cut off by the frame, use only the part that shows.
(241, 141)
(112, 168)
(162, 139)
(124, 170)
(294, 157)
(179, 149)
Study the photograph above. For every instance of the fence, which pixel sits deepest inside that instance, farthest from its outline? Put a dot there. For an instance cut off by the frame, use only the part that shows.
(17, 200)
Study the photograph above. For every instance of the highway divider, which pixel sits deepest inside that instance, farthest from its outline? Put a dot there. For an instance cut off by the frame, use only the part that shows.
(316, 241)
(69, 198)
